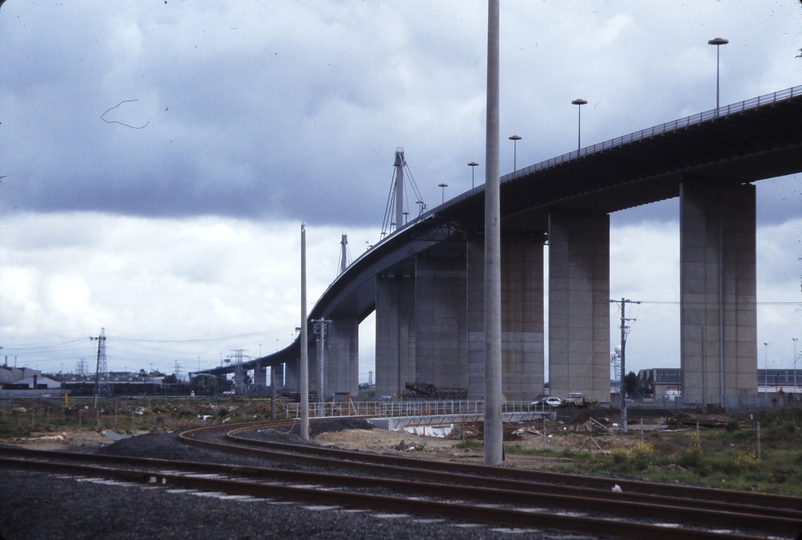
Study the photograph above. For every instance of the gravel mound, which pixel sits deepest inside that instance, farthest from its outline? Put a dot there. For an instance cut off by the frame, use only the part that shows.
(156, 445)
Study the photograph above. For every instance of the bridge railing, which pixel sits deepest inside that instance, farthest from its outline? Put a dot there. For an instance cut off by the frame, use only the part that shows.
(388, 409)
(399, 409)
(673, 125)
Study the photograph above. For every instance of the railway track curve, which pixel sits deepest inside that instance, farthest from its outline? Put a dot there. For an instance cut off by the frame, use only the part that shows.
(506, 497)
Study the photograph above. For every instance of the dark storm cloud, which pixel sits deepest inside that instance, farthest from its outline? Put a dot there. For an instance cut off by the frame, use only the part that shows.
(293, 111)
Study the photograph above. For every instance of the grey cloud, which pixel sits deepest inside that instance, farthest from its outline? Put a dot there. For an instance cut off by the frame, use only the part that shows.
(282, 111)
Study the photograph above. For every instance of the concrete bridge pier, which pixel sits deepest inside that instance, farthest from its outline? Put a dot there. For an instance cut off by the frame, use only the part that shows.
(292, 375)
(718, 291)
(440, 320)
(522, 328)
(522, 344)
(260, 375)
(342, 356)
(579, 304)
(277, 376)
(395, 333)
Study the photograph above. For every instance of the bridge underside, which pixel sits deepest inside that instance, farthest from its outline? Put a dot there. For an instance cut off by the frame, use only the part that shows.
(425, 280)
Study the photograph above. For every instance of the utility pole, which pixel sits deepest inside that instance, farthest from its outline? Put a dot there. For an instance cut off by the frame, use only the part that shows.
(101, 360)
(320, 329)
(304, 344)
(624, 332)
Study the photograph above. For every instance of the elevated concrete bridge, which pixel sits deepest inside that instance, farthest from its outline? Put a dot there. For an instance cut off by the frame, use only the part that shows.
(425, 280)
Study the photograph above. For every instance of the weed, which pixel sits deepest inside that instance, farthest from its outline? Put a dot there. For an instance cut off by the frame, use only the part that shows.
(470, 444)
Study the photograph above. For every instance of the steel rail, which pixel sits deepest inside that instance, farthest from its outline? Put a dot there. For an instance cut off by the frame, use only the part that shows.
(637, 488)
(503, 492)
(455, 510)
(791, 507)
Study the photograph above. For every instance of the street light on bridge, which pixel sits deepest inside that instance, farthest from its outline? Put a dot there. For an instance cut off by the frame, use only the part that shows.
(718, 42)
(579, 102)
(473, 166)
(515, 139)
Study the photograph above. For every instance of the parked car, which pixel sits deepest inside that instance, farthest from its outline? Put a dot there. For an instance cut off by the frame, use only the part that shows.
(551, 401)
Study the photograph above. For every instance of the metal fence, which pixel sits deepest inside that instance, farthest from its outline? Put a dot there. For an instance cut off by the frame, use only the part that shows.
(388, 409)
(398, 409)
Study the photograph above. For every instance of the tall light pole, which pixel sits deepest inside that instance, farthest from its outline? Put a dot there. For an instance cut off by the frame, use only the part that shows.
(473, 166)
(493, 425)
(443, 192)
(515, 139)
(718, 42)
(766, 366)
(304, 345)
(794, 340)
(579, 102)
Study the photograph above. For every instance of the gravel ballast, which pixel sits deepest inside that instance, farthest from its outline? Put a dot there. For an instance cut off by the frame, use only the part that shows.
(45, 506)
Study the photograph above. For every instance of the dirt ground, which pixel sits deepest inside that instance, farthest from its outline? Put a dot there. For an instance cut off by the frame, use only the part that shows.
(66, 440)
(568, 433)
(560, 435)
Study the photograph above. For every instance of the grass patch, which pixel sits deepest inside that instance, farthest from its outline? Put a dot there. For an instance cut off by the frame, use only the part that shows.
(723, 457)
(470, 444)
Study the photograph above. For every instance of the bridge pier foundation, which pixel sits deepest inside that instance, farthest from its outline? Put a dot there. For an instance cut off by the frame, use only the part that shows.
(718, 291)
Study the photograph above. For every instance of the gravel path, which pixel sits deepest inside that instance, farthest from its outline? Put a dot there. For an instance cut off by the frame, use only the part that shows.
(44, 506)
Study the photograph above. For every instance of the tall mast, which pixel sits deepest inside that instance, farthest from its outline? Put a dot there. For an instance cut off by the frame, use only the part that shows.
(399, 188)
(343, 253)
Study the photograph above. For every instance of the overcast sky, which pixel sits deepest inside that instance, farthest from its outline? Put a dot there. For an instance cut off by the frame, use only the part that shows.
(159, 157)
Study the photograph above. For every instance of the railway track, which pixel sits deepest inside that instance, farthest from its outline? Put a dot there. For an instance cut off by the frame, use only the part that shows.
(501, 497)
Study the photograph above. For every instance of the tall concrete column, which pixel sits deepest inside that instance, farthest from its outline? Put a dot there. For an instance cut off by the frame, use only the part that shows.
(277, 376)
(260, 375)
(440, 321)
(342, 356)
(522, 343)
(579, 304)
(292, 375)
(395, 333)
(522, 324)
(718, 309)
(475, 326)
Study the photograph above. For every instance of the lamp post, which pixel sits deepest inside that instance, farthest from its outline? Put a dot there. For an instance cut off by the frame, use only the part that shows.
(579, 102)
(766, 366)
(794, 340)
(515, 139)
(473, 166)
(718, 42)
(443, 192)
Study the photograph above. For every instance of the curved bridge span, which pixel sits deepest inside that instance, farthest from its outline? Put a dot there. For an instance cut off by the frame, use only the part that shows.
(425, 280)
